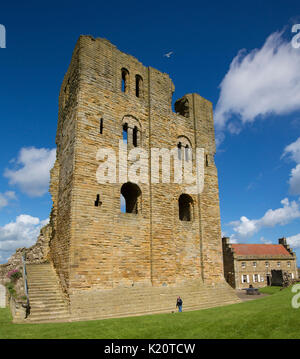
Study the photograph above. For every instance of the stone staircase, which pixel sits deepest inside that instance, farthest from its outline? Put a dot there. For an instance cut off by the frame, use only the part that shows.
(123, 302)
(47, 302)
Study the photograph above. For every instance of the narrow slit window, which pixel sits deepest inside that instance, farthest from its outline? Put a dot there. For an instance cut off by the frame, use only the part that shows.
(138, 86)
(125, 80)
(101, 126)
(135, 136)
(98, 202)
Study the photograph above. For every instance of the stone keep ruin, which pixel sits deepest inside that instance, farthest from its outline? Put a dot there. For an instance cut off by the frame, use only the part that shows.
(164, 243)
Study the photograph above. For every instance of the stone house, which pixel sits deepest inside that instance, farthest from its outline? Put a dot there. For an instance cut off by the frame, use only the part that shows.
(258, 265)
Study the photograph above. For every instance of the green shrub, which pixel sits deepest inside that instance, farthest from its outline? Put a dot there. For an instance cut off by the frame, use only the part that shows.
(11, 289)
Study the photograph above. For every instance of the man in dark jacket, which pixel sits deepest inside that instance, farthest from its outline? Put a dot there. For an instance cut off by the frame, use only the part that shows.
(179, 304)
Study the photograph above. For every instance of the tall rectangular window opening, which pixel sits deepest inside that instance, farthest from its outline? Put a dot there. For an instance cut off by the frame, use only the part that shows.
(101, 126)
(125, 80)
(138, 86)
(135, 136)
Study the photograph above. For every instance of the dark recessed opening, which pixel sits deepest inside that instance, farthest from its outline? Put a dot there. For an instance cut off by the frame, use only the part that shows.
(130, 192)
(185, 203)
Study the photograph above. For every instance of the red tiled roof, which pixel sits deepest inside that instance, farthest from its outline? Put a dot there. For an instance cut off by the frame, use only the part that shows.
(260, 250)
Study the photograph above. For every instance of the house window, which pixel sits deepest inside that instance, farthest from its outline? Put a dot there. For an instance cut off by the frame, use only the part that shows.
(267, 264)
(244, 278)
(206, 160)
(138, 86)
(278, 264)
(254, 264)
(243, 264)
(185, 203)
(125, 80)
(130, 194)
(289, 264)
(255, 278)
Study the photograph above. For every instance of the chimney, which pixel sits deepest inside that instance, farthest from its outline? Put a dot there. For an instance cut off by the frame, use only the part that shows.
(282, 241)
(225, 242)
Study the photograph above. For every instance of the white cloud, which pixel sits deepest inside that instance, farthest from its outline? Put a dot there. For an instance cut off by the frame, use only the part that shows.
(33, 172)
(21, 233)
(294, 241)
(262, 82)
(6, 197)
(293, 152)
(247, 227)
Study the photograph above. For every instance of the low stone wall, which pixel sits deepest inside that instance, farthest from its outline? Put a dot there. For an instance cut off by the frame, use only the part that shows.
(17, 309)
(38, 253)
(2, 296)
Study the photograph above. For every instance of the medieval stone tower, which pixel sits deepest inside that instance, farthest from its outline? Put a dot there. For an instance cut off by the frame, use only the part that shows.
(166, 243)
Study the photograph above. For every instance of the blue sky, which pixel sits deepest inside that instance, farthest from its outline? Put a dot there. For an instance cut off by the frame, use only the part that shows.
(255, 98)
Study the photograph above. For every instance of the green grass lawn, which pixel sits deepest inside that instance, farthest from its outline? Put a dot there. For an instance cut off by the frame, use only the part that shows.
(270, 290)
(267, 317)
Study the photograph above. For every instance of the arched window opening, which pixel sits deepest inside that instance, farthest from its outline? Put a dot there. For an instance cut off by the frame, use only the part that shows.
(125, 80)
(138, 86)
(185, 203)
(130, 193)
(135, 136)
(125, 133)
(182, 107)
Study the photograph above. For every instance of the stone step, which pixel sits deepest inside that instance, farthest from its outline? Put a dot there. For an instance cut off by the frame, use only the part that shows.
(44, 293)
(48, 319)
(45, 311)
(43, 288)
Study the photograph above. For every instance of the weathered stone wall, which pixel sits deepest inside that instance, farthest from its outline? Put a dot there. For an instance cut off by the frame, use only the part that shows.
(62, 175)
(38, 253)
